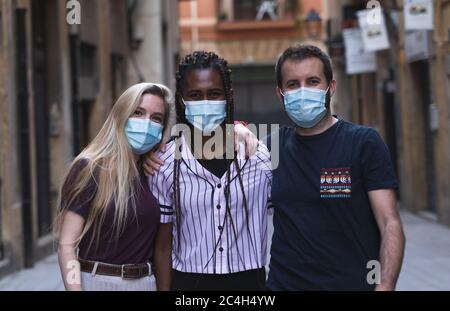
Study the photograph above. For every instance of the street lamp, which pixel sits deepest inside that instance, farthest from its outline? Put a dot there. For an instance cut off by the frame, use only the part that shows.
(313, 24)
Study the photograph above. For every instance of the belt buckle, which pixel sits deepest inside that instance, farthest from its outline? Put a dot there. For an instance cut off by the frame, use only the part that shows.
(122, 275)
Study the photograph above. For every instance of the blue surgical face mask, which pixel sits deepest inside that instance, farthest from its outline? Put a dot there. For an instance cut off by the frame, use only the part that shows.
(205, 115)
(306, 106)
(143, 134)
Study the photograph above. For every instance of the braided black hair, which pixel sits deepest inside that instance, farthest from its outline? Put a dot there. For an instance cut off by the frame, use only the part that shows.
(203, 60)
(196, 61)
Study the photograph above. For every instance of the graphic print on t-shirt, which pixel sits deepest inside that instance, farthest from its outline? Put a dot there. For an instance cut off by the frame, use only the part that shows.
(335, 183)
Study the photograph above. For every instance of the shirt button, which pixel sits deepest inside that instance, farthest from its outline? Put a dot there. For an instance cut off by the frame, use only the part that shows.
(221, 249)
(220, 228)
(219, 186)
(218, 206)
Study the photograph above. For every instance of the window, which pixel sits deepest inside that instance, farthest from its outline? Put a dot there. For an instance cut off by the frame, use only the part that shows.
(1, 185)
(88, 75)
(1, 32)
(245, 9)
(248, 10)
(117, 76)
(1, 219)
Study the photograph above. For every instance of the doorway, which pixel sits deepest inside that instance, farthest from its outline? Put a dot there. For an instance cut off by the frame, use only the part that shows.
(41, 109)
(421, 71)
(24, 135)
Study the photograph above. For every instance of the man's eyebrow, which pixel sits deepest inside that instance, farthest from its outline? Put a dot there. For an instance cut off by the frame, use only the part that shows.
(314, 77)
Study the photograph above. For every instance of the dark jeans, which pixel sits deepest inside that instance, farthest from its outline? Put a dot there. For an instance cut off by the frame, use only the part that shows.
(250, 280)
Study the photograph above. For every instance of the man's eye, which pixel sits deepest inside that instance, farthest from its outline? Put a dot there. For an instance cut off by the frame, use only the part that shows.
(291, 84)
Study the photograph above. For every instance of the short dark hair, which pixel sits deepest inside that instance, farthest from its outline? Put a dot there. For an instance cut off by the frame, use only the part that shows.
(301, 52)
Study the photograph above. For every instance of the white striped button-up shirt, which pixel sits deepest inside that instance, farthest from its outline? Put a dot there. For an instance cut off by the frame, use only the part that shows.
(207, 237)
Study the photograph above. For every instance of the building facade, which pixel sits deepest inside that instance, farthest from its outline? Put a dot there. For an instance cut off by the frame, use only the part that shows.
(58, 81)
(406, 98)
(250, 35)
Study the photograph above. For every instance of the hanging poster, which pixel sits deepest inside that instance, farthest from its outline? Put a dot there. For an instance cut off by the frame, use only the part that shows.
(418, 14)
(357, 59)
(417, 45)
(373, 29)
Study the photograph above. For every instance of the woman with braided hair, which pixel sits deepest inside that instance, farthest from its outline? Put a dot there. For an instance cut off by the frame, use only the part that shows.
(216, 199)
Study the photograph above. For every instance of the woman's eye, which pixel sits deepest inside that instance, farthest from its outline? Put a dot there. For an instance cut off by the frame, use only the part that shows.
(215, 95)
(194, 97)
(137, 113)
(158, 120)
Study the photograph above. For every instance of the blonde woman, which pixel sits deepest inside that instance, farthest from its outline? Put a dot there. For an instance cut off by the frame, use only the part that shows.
(108, 223)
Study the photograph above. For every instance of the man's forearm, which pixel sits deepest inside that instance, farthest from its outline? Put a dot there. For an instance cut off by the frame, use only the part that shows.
(391, 254)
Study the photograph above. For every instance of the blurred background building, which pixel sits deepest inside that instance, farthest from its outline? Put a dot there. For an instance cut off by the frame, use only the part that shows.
(58, 82)
(250, 34)
(406, 97)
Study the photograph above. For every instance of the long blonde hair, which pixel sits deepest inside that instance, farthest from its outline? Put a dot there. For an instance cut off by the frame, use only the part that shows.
(111, 165)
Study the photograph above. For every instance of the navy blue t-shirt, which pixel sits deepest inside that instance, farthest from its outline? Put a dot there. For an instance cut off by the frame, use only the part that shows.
(325, 232)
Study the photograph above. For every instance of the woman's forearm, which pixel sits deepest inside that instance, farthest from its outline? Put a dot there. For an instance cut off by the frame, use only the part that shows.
(163, 266)
(162, 257)
(69, 234)
(70, 268)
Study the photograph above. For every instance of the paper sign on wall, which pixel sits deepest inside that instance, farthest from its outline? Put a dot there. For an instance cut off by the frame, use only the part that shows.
(373, 30)
(418, 14)
(357, 59)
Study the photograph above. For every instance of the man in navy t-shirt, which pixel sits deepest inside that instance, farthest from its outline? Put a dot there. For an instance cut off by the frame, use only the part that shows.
(336, 226)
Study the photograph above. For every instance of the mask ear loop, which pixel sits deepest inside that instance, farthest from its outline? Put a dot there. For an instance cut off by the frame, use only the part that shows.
(328, 89)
